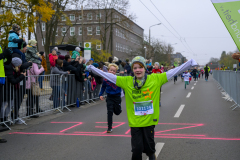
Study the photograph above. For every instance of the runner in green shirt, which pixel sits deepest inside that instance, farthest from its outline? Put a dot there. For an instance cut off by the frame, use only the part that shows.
(142, 102)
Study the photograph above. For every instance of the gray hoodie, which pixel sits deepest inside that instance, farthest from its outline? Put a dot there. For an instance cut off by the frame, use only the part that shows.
(55, 79)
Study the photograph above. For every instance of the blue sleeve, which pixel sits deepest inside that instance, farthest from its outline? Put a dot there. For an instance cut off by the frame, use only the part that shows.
(103, 88)
(17, 40)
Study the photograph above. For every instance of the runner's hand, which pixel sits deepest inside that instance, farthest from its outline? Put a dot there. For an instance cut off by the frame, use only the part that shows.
(101, 97)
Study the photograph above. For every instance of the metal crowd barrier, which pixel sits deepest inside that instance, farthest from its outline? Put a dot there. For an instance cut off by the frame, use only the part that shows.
(229, 83)
(57, 92)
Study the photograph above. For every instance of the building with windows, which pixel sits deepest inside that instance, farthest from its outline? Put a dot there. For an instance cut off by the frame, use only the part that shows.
(107, 28)
(178, 57)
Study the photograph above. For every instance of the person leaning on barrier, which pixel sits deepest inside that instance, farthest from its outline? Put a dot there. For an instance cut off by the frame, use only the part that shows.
(32, 99)
(21, 92)
(55, 82)
(6, 54)
(14, 77)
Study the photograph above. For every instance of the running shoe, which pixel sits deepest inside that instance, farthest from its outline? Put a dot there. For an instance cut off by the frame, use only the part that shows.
(109, 130)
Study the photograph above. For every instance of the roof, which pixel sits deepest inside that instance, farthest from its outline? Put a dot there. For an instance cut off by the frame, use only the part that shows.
(67, 47)
(102, 9)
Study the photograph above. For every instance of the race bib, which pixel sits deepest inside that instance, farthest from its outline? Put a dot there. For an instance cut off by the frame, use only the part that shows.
(143, 108)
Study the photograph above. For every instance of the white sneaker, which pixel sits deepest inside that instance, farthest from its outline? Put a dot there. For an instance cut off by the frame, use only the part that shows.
(20, 121)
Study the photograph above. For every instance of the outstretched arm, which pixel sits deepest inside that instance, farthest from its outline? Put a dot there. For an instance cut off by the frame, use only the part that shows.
(185, 66)
(109, 76)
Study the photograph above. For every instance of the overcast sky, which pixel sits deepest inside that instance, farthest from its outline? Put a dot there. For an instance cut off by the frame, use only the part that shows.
(195, 20)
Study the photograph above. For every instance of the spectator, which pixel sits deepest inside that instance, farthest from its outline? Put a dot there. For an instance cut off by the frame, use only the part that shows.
(55, 83)
(5, 54)
(91, 61)
(20, 94)
(52, 58)
(14, 40)
(110, 60)
(14, 77)
(127, 67)
(44, 64)
(121, 68)
(32, 99)
(76, 53)
(32, 54)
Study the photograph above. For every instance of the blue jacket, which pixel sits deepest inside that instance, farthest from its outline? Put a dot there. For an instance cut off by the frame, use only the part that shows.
(112, 89)
(14, 39)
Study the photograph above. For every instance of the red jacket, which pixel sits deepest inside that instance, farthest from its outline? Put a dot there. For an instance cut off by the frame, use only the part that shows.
(157, 71)
(52, 59)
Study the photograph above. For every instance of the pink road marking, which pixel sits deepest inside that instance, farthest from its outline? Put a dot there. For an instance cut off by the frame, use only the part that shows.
(79, 123)
(189, 124)
(179, 128)
(121, 123)
(112, 135)
(128, 131)
(92, 132)
(186, 135)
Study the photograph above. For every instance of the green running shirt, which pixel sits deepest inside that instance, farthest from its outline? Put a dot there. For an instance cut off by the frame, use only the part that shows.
(140, 111)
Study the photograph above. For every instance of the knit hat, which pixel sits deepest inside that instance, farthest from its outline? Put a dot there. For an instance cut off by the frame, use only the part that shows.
(22, 45)
(92, 59)
(139, 59)
(32, 42)
(41, 53)
(16, 61)
(16, 27)
(95, 65)
(156, 63)
(56, 48)
(78, 49)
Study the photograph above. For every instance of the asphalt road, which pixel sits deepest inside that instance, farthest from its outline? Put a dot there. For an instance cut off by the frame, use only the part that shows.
(195, 124)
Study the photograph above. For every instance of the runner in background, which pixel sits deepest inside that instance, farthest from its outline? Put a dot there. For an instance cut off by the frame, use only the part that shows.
(142, 102)
(206, 70)
(186, 76)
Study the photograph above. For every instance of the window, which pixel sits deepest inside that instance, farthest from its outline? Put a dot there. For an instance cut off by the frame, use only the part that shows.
(89, 30)
(80, 17)
(116, 46)
(98, 46)
(116, 32)
(89, 16)
(80, 31)
(43, 26)
(98, 30)
(43, 41)
(56, 32)
(98, 16)
(63, 18)
(63, 31)
(80, 44)
(72, 31)
(121, 48)
(72, 17)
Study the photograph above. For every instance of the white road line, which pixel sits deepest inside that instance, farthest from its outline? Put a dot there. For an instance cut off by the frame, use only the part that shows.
(161, 92)
(158, 148)
(179, 111)
(192, 88)
(195, 84)
(189, 94)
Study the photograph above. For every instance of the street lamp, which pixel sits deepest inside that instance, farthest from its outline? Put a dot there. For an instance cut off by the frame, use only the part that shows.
(150, 32)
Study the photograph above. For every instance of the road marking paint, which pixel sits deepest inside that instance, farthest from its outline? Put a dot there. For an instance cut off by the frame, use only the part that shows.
(158, 148)
(161, 92)
(189, 94)
(195, 84)
(179, 111)
(192, 88)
